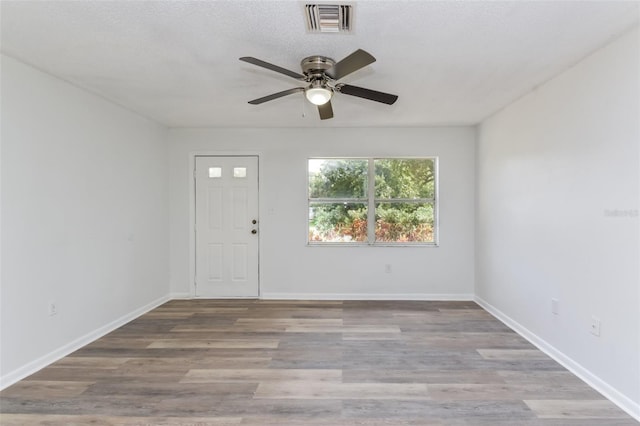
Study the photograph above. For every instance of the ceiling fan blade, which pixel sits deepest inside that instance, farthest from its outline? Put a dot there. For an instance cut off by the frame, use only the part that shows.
(267, 65)
(372, 95)
(276, 95)
(326, 111)
(355, 61)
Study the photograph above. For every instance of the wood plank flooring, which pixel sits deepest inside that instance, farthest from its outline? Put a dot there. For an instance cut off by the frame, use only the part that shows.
(250, 362)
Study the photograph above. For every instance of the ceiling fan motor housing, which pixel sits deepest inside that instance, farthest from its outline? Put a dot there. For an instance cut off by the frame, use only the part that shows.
(315, 66)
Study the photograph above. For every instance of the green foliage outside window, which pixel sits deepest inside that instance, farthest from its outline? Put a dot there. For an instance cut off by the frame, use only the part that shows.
(339, 179)
(343, 222)
(404, 200)
(404, 223)
(399, 178)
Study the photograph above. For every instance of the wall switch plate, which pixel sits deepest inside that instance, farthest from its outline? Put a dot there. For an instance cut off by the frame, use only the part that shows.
(554, 306)
(387, 268)
(595, 326)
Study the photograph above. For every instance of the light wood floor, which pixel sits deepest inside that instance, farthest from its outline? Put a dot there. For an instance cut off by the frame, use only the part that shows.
(229, 362)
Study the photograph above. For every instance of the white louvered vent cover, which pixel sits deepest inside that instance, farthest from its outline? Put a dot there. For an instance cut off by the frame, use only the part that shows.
(328, 18)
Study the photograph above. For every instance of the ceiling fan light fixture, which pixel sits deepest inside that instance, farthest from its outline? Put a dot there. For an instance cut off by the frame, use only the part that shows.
(318, 93)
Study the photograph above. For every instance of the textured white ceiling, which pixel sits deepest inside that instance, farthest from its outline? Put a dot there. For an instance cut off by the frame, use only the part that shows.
(177, 62)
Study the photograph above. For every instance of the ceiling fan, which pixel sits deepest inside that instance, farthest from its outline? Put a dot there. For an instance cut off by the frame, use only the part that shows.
(321, 75)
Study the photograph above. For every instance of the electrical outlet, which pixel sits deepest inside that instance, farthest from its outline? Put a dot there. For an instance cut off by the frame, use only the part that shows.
(53, 309)
(387, 268)
(595, 326)
(554, 306)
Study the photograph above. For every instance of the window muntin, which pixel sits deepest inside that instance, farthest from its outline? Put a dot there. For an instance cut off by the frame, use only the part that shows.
(400, 193)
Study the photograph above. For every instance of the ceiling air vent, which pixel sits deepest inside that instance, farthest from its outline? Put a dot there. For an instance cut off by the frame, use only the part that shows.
(328, 18)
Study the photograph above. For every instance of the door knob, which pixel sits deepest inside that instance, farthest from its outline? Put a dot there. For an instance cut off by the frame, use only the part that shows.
(253, 231)
(254, 221)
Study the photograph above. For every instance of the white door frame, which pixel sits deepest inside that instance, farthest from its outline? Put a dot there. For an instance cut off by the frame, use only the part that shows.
(192, 209)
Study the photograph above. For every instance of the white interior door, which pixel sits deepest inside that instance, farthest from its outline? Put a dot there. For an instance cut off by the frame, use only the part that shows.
(226, 227)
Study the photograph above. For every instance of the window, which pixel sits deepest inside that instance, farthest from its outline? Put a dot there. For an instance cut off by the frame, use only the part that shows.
(386, 201)
(239, 172)
(215, 172)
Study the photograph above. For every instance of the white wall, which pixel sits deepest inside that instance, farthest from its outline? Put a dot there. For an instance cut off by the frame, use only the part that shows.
(86, 206)
(552, 170)
(288, 267)
(84, 217)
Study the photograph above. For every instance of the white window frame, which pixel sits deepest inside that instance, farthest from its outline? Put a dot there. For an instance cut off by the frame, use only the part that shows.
(371, 201)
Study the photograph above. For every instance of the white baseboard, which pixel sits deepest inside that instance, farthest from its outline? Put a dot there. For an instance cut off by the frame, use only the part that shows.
(627, 404)
(180, 296)
(38, 364)
(363, 296)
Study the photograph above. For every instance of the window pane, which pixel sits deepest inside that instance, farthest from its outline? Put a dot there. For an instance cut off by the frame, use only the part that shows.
(239, 172)
(330, 178)
(409, 178)
(215, 172)
(337, 222)
(404, 222)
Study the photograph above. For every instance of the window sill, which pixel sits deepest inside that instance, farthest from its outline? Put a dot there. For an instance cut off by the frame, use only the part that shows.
(416, 245)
